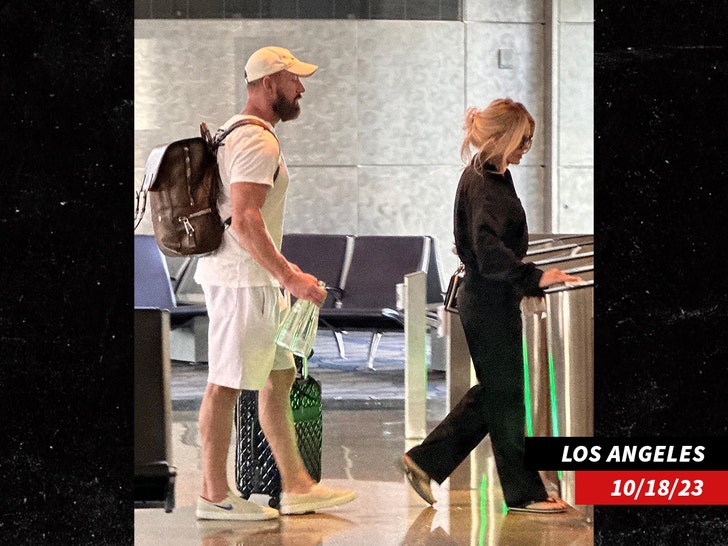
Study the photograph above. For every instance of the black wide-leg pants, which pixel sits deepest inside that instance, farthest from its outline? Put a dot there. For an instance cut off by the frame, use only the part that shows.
(493, 329)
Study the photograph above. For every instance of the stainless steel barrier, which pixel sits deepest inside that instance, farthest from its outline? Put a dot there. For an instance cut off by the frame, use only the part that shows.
(540, 241)
(566, 262)
(543, 253)
(586, 247)
(558, 347)
(570, 335)
(586, 272)
(536, 367)
(553, 239)
(578, 239)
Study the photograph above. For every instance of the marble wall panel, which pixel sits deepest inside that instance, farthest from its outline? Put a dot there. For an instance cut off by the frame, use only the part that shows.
(576, 11)
(529, 181)
(146, 86)
(193, 71)
(184, 73)
(410, 92)
(419, 200)
(410, 200)
(575, 213)
(326, 131)
(386, 93)
(505, 11)
(322, 200)
(576, 95)
(524, 82)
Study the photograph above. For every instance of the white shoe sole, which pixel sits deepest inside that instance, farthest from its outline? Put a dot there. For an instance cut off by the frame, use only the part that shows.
(313, 505)
(232, 515)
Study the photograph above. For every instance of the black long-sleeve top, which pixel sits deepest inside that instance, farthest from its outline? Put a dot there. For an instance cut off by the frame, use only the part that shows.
(491, 233)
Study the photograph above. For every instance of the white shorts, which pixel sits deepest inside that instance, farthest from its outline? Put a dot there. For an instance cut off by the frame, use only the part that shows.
(243, 323)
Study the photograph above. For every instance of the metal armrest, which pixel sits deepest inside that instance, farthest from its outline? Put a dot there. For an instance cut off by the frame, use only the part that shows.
(338, 295)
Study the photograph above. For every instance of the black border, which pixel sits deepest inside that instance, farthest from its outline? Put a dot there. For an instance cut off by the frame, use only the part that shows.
(661, 309)
(66, 315)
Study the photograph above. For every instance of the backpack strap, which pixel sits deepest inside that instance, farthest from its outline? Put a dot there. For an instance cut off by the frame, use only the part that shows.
(222, 133)
(216, 141)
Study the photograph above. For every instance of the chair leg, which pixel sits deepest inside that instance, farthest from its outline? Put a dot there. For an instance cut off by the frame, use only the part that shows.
(339, 337)
(373, 346)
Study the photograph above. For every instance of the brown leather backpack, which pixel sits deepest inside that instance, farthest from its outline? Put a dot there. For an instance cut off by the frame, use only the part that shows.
(183, 183)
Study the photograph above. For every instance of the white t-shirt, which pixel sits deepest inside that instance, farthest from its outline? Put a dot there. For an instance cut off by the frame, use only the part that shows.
(248, 154)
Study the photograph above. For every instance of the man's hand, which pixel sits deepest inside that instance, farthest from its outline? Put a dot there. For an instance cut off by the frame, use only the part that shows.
(305, 286)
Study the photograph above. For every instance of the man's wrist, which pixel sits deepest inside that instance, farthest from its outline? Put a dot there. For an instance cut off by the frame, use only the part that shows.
(286, 275)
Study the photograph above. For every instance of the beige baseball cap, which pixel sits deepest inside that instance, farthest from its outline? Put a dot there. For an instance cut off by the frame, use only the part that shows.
(271, 59)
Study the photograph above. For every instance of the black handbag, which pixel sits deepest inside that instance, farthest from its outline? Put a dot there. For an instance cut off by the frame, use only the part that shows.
(451, 300)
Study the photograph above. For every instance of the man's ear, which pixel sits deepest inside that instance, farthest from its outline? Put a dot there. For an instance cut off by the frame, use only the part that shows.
(269, 83)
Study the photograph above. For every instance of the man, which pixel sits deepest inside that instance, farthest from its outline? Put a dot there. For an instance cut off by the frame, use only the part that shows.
(242, 281)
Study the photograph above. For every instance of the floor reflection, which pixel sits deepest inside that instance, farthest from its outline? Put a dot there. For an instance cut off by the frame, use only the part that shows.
(306, 530)
(360, 448)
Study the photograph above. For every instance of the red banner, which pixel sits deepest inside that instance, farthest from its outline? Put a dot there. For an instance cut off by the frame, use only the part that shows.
(651, 487)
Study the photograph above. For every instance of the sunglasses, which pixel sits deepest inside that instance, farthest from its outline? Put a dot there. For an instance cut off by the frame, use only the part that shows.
(526, 143)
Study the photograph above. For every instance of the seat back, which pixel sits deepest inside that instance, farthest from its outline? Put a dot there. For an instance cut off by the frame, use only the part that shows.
(434, 276)
(324, 256)
(152, 286)
(177, 265)
(186, 289)
(378, 264)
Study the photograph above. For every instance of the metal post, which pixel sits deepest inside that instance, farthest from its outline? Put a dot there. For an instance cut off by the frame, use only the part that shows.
(415, 376)
(571, 347)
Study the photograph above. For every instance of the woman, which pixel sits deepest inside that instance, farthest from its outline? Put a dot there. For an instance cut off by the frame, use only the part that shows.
(491, 237)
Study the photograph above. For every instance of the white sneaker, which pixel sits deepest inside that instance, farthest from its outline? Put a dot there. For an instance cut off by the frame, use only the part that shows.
(318, 497)
(234, 507)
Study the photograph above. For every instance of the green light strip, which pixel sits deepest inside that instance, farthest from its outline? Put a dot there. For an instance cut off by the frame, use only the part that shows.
(552, 389)
(483, 512)
(527, 391)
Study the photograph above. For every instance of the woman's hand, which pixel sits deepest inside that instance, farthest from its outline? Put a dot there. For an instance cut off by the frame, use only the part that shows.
(556, 276)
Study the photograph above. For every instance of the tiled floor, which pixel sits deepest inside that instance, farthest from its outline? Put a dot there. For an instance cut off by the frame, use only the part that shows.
(363, 436)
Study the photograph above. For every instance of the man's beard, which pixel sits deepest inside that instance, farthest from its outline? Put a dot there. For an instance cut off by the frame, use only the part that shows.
(285, 109)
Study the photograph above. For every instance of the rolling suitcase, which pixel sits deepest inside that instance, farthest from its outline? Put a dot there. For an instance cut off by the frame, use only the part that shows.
(255, 470)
